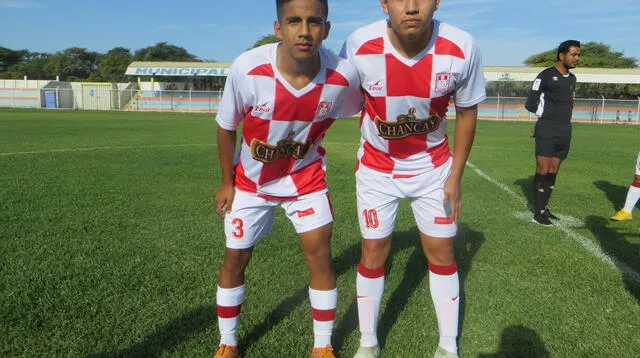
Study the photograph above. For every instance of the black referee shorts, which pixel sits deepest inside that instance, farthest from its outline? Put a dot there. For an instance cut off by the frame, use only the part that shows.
(556, 147)
(553, 139)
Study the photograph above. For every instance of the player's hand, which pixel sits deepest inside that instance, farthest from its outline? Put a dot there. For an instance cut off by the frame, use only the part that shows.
(224, 199)
(452, 198)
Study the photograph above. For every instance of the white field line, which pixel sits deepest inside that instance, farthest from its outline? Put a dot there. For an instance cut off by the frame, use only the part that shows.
(587, 244)
(71, 150)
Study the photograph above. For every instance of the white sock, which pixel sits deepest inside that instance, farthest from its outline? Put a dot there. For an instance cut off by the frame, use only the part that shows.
(323, 308)
(229, 301)
(632, 198)
(445, 293)
(369, 289)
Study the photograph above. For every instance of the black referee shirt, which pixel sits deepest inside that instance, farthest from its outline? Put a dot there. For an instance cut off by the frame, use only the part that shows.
(551, 96)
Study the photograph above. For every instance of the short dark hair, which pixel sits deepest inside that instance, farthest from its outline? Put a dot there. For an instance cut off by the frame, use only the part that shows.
(280, 4)
(565, 46)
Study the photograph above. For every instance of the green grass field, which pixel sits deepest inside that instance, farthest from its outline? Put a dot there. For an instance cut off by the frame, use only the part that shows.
(109, 246)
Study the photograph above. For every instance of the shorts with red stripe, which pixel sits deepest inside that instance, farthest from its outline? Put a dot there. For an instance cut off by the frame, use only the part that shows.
(378, 199)
(251, 216)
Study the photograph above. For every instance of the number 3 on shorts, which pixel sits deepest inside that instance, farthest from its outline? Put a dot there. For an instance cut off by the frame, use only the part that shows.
(371, 218)
(238, 231)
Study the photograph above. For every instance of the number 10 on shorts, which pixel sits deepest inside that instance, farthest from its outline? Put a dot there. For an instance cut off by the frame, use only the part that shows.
(371, 218)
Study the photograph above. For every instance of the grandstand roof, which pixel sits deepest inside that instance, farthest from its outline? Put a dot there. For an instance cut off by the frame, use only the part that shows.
(491, 73)
(583, 74)
(178, 69)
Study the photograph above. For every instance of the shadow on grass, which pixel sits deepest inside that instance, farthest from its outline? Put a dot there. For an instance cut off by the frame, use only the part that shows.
(348, 259)
(193, 322)
(527, 190)
(616, 194)
(164, 338)
(467, 244)
(519, 342)
(614, 241)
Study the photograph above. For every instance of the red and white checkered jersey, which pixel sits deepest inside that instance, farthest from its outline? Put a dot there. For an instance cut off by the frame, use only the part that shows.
(280, 156)
(404, 124)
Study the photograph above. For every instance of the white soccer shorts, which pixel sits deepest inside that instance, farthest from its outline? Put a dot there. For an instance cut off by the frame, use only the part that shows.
(638, 165)
(378, 198)
(251, 216)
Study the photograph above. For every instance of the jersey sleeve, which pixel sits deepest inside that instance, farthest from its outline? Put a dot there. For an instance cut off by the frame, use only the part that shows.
(232, 106)
(472, 90)
(533, 99)
(353, 100)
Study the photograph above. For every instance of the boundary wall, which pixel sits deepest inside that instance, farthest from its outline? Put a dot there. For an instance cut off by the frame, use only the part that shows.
(126, 97)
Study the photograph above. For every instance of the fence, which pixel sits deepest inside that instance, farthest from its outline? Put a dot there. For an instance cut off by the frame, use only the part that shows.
(94, 97)
(584, 110)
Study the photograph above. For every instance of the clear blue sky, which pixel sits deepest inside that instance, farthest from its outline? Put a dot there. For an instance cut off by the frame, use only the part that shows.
(508, 31)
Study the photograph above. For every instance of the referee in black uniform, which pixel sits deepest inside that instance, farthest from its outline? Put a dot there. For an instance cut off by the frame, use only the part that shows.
(551, 99)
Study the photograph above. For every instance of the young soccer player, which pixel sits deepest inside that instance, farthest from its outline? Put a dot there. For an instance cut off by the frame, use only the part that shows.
(287, 94)
(410, 66)
(633, 195)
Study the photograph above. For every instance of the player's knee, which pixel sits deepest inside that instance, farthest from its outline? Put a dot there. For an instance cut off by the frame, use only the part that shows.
(440, 255)
(375, 252)
(236, 260)
(319, 254)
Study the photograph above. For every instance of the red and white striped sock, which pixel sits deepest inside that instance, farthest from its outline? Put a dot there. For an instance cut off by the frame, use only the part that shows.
(229, 301)
(445, 293)
(323, 309)
(632, 197)
(369, 290)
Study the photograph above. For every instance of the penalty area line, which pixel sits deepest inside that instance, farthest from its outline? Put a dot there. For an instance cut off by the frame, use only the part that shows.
(587, 244)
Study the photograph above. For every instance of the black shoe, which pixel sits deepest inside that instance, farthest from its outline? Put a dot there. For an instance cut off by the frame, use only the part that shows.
(542, 220)
(549, 214)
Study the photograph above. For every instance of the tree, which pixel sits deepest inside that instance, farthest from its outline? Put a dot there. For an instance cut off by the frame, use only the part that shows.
(114, 63)
(32, 66)
(9, 57)
(268, 39)
(74, 64)
(163, 51)
(594, 54)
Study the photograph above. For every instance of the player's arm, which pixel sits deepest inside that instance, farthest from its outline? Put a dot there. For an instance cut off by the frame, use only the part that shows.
(465, 132)
(533, 99)
(469, 93)
(230, 114)
(226, 151)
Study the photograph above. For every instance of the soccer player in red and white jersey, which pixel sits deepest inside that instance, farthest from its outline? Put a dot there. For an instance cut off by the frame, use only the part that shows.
(410, 66)
(633, 196)
(288, 95)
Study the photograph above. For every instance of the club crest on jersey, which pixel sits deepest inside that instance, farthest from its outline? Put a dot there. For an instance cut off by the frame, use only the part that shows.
(267, 153)
(407, 125)
(323, 110)
(443, 80)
